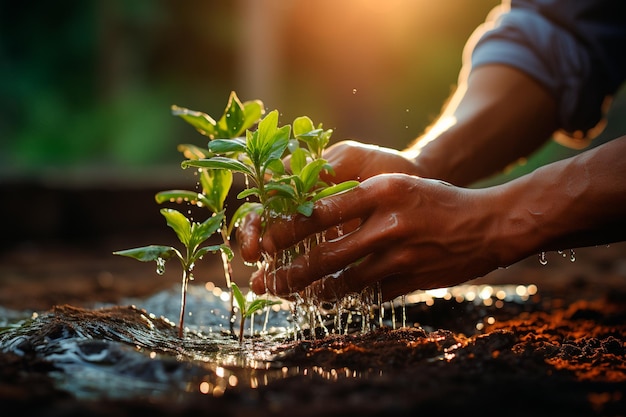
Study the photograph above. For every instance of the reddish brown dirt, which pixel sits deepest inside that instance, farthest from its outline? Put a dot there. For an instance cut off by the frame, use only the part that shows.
(565, 355)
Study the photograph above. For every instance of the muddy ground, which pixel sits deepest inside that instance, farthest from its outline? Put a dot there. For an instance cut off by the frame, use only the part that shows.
(562, 353)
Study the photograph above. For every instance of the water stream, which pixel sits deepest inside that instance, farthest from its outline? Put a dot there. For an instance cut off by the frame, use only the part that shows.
(132, 349)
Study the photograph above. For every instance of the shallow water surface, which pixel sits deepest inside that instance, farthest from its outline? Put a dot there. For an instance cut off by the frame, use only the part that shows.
(132, 349)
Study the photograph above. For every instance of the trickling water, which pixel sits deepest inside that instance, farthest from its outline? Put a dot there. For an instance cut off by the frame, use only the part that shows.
(542, 258)
(160, 266)
(124, 351)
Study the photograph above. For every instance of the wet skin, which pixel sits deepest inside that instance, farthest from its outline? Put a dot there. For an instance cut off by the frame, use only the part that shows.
(408, 232)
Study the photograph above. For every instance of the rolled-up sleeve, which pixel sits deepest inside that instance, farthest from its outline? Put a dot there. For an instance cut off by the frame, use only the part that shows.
(580, 71)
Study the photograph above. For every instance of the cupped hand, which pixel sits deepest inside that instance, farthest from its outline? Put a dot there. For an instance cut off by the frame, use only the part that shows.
(412, 233)
(351, 160)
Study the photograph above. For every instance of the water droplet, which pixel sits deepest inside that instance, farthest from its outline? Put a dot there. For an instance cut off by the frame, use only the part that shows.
(354, 91)
(542, 258)
(160, 266)
(572, 255)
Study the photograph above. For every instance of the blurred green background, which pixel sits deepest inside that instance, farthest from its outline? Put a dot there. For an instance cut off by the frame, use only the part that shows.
(86, 85)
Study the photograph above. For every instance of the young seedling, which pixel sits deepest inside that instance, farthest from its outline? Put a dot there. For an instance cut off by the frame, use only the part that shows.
(215, 183)
(248, 308)
(192, 235)
(260, 158)
(234, 148)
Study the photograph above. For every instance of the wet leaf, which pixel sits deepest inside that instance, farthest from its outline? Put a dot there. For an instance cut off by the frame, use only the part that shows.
(149, 253)
(202, 231)
(219, 162)
(180, 196)
(221, 146)
(179, 223)
(239, 298)
(335, 189)
(216, 185)
(201, 121)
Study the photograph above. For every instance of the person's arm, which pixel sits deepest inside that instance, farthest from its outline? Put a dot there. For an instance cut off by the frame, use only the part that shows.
(417, 233)
(576, 202)
(495, 117)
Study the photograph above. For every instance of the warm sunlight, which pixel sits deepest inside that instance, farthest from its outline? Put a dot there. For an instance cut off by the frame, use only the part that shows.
(375, 71)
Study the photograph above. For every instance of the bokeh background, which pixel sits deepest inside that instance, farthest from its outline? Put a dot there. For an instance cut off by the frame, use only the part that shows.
(87, 137)
(86, 85)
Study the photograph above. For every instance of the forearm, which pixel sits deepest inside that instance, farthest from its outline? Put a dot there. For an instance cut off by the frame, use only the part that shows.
(576, 202)
(496, 116)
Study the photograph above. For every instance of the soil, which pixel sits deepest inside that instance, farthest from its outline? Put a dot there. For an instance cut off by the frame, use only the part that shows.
(561, 353)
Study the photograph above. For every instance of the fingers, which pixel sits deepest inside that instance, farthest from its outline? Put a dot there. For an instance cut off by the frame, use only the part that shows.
(380, 266)
(249, 237)
(328, 212)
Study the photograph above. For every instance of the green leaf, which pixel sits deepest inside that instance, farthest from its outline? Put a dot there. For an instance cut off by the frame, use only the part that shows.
(276, 167)
(253, 110)
(228, 251)
(202, 231)
(248, 192)
(219, 162)
(278, 143)
(302, 125)
(310, 173)
(298, 160)
(265, 132)
(222, 146)
(179, 223)
(201, 121)
(284, 190)
(335, 189)
(239, 298)
(212, 248)
(260, 304)
(306, 208)
(193, 152)
(216, 184)
(180, 196)
(149, 253)
(231, 122)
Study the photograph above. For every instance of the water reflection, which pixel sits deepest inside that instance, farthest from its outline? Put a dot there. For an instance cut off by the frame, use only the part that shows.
(122, 352)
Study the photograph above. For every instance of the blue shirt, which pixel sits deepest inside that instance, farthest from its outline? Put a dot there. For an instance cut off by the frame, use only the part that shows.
(576, 49)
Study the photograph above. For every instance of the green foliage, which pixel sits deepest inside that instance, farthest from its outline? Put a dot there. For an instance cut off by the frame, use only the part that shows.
(260, 158)
(192, 235)
(235, 147)
(235, 120)
(248, 308)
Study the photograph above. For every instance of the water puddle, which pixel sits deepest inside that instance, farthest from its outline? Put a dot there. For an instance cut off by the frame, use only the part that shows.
(133, 350)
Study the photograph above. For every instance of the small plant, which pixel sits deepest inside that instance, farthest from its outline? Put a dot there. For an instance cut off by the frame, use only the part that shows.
(192, 235)
(233, 147)
(248, 308)
(260, 158)
(215, 183)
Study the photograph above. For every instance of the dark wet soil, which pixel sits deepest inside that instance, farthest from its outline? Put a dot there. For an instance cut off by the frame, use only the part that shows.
(561, 353)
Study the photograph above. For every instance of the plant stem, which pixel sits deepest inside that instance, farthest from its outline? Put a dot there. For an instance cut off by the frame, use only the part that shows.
(228, 273)
(183, 301)
(241, 328)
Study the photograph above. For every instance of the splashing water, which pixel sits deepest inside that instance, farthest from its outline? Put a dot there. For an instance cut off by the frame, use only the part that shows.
(132, 349)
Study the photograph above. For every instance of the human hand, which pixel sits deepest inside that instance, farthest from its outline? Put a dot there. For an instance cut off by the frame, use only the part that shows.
(351, 160)
(412, 233)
